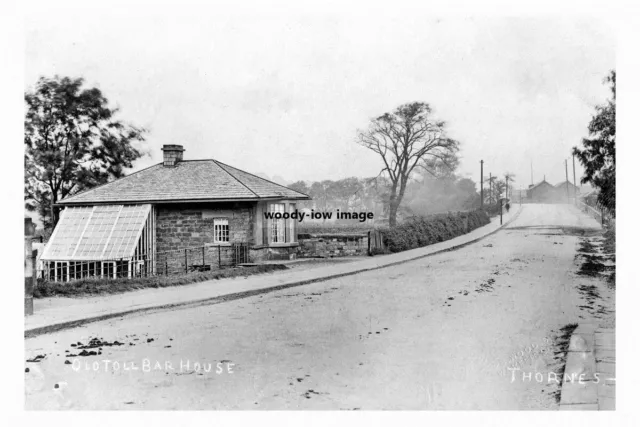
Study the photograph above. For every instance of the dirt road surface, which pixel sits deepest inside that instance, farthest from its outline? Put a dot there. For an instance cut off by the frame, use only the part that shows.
(443, 332)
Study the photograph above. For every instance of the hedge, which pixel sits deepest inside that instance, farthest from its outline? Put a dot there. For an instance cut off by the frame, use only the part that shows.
(492, 209)
(419, 231)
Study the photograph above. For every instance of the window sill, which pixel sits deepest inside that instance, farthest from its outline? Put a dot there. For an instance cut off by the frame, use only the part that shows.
(277, 245)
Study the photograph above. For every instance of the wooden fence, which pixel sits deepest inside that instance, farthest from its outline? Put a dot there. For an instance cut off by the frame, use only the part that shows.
(376, 243)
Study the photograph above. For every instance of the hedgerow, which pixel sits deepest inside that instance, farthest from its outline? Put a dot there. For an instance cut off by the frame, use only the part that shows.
(418, 231)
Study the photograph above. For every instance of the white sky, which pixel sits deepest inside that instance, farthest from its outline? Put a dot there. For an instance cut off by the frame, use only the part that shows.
(283, 93)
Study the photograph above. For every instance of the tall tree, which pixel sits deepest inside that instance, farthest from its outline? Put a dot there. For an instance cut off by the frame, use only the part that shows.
(72, 143)
(598, 156)
(405, 138)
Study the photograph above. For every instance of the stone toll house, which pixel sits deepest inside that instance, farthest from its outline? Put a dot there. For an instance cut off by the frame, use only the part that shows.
(139, 224)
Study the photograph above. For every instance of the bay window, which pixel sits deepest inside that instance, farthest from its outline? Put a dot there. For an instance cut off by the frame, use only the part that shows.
(277, 225)
(279, 230)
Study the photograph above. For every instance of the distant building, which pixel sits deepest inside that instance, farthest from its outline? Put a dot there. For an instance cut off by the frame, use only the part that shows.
(543, 192)
(573, 190)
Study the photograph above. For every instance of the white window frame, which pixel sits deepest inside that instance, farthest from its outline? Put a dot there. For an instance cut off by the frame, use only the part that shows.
(217, 233)
(113, 266)
(292, 225)
(276, 229)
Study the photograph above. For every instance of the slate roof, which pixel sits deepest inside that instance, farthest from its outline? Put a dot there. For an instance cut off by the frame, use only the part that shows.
(540, 184)
(188, 181)
(564, 183)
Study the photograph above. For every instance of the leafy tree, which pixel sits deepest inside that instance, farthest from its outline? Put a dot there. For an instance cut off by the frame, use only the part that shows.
(499, 189)
(468, 197)
(376, 195)
(598, 156)
(447, 193)
(342, 192)
(405, 138)
(320, 195)
(466, 186)
(302, 187)
(72, 143)
(490, 194)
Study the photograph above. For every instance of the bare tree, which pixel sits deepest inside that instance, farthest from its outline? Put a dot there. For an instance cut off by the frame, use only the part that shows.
(404, 139)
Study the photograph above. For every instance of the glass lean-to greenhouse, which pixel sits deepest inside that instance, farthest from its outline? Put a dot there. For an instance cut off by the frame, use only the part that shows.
(100, 241)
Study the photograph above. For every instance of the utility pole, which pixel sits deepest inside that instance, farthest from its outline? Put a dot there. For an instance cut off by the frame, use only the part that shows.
(531, 172)
(506, 191)
(575, 187)
(566, 174)
(481, 184)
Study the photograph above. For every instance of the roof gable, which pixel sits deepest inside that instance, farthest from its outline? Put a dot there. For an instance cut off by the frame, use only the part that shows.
(189, 180)
(564, 184)
(541, 184)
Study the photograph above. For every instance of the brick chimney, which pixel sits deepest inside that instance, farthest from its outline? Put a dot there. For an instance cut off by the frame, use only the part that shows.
(172, 154)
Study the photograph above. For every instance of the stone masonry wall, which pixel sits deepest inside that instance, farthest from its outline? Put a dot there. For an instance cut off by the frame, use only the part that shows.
(181, 226)
(332, 245)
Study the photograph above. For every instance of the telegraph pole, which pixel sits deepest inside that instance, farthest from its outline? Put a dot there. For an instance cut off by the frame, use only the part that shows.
(566, 174)
(531, 172)
(506, 191)
(575, 187)
(481, 184)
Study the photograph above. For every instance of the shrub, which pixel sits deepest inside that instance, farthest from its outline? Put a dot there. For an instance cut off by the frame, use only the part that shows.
(492, 209)
(419, 231)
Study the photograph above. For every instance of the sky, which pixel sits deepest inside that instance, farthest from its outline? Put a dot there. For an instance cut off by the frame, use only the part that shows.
(283, 93)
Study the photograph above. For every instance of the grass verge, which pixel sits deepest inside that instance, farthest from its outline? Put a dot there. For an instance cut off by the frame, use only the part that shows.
(560, 353)
(94, 286)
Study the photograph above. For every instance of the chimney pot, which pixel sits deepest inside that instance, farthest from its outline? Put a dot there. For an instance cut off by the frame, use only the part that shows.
(172, 154)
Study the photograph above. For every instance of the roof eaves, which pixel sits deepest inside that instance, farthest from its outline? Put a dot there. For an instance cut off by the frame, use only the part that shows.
(156, 201)
(63, 201)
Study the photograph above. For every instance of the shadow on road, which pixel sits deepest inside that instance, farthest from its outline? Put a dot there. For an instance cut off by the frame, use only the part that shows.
(563, 229)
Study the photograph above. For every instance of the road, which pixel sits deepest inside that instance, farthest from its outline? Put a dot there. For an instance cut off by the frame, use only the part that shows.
(443, 332)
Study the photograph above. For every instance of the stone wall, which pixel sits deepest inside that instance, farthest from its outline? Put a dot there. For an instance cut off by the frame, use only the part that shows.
(332, 245)
(263, 253)
(182, 226)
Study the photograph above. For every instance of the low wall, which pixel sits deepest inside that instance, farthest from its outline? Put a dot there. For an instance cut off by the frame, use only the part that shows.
(332, 245)
(262, 253)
